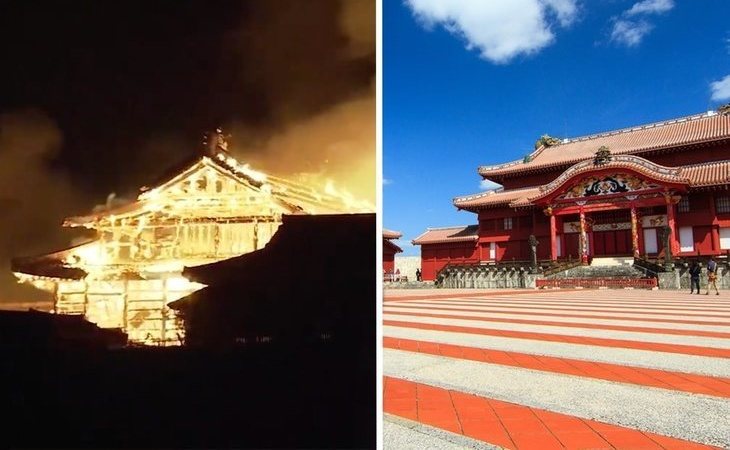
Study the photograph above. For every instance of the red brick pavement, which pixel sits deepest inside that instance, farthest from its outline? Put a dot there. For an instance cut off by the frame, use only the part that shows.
(513, 426)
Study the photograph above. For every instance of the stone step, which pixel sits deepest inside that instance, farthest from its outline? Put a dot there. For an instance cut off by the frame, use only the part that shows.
(612, 261)
(601, 271)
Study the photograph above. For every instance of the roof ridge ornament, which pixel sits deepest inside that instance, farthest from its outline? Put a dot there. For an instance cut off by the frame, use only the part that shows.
(603, 156)
(724, 110)
(215, 141)
(546, 141)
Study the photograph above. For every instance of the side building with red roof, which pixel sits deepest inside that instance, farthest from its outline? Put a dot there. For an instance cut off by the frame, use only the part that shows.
(390, 249)
(610, 194)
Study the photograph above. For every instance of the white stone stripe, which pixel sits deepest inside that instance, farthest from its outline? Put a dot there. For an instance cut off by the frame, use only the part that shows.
(693, 417)
(631, 307)
(612, 322)
(574, 310)
(701, 306)
(689, 300)
(672, 362)
(553, 313)
(698, 341)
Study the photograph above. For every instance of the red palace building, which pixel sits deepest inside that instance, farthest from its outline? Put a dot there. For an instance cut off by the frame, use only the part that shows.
(609, 194)
(389, 250)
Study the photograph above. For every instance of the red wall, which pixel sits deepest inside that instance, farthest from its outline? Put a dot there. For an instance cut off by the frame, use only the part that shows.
(436, 256)
(513, 244)
(705, 223)
(388, 257)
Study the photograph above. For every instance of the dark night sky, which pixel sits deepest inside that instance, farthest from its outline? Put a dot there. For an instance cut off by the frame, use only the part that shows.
(115, 74)
(106, 95)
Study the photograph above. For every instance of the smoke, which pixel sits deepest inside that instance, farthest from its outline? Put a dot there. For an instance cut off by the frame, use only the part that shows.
(34, 199)
(314, 64)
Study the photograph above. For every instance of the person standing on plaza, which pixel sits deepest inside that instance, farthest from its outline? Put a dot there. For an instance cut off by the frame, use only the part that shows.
(712, 276)
(694, 277)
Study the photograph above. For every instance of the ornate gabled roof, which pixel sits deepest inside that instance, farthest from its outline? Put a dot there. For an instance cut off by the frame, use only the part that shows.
(643, 166)
(715, 173)
(697, 129)
(443, 235)
(390, 234)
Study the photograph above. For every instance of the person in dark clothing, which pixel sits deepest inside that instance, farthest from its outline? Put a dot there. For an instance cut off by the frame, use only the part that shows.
(694, 277)
(418, 274)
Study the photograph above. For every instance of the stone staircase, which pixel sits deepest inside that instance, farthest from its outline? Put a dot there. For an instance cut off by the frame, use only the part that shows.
(603, 272)
(605, 268)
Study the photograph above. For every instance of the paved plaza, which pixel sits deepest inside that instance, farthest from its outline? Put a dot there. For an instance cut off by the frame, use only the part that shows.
(583, 369)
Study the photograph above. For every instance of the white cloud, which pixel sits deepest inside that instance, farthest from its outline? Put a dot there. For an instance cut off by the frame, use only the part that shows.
(498, 30)
(629, 32)
(487, 185)
(650, 7)
(721, 89)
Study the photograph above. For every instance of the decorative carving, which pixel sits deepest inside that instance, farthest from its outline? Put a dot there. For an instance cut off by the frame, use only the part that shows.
(583, 238)
(724, 110)
(664, 233)
(635, 161)
(603, 156)
(548, 211)
(611, 184)
(612, 226)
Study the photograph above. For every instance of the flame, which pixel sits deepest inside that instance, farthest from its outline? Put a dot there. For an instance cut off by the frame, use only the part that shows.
(243, 169)
(325, 190)
(106, 292)
(89, 257)
(352, 203)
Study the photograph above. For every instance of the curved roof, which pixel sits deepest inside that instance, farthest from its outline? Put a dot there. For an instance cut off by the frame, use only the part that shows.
(464, 233)
(390, 234)
(494, 198)
(679, 132)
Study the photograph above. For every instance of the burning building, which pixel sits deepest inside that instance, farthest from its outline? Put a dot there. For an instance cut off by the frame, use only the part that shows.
(214, 208)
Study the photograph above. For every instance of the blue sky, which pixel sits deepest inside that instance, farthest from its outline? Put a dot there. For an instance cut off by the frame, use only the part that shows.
(469, 83)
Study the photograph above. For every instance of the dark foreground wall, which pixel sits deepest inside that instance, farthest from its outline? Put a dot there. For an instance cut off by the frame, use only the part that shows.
(265, 396)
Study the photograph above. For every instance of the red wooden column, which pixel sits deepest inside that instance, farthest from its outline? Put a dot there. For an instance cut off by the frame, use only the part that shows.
(553, 235)
(583, 238)
(714, 230)
(672, 224)
(634, 231)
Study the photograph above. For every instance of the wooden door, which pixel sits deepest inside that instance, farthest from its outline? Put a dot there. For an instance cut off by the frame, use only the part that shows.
(571, 245)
